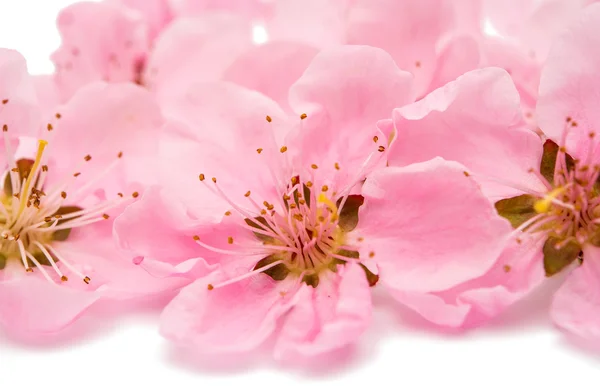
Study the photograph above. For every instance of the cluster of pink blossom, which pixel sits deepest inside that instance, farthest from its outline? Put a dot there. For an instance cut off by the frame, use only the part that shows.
(271, 162)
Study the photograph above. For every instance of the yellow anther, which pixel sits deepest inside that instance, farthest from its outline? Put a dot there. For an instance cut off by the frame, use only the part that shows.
(543, 205)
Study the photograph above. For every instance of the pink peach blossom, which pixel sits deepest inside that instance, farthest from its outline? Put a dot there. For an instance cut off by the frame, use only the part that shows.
(59, 197)
(280, 209)
(547, 190)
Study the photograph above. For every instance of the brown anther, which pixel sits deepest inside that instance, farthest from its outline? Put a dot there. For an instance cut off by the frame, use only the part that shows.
(574, 124)
(16, 237)
(562, 149)
(48, 219)
(337, 166)
(44, 168)
(309, 184)
(214, 180)
(269, 119)
(324, 188)
(87, 158)
(303, 116)
(230, 240)
(270, 207)
(210, 287)
(18, 196)
(467, 174)
(105, 216)
(293, 205)
(506, 268)
(302, 201)
(371, 254)
(228, 213)
(77, 174)
(196, 238)
(58, 115)
(321, 218)
(15, 170)
(57, 216)
(592, 134)
(569, 119)
(283, 149)
(294, 180)
(286, 197)
(360, 239)
(418, 64)
(247, 194)
(86, 280)
(381, 148)
(314, 166)
(50, 127)
(202, 177)
(29, 269)
(298, 217)
(263, 212)
(63, 195)
(4, 101)
(519, 241)
(120, 154)
(375, 139)
(120, 194)
(135, 194)
(259, 150)
(5, 128)
(64, 278)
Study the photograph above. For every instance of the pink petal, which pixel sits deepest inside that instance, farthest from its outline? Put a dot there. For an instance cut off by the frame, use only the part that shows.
(576, 305)
(193, 50)
(459, 55)
(221, 127)
(313, 22)
(287, 61)
(475, 120)
(569, 86)
(32, 304)
(327, 318)
(344, 92)
(156, 13)
(102, 121)
(100, 41)
(428, 227)
(246, 8)
(19, 109)
(480, 299)
(48, 94)
(235, 318)
(409, 30)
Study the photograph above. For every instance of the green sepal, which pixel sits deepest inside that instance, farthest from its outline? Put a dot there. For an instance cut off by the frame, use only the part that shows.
(62, 235)
(348, 218)
(277, 272)
(548, 162)
(556, 260)
(517, 210)
(24, 166)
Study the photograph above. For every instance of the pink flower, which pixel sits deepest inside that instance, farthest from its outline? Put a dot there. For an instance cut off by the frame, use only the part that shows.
(547, 190)
(282, 211)
(60, 194)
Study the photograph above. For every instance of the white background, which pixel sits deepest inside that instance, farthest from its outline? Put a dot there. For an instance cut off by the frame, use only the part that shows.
(120, 347)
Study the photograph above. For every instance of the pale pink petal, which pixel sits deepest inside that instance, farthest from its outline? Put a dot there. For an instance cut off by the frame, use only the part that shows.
(156, 13)
(271, 68)
(517, 272)
(247, 8)
(576, 306)
(234, 318)
(19, 110)
(100, 41)
(221, 127)
(344, 92)
(458, 56)
(193, 50)
(47, 94)
(428, 227)
(570, 87)
(475, 120)
(314, 22)
(409, 30)
(32, 304)
(329, 317)
(104, 121)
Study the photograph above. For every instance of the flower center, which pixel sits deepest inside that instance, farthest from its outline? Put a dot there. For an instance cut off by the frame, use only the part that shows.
(33, 217)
